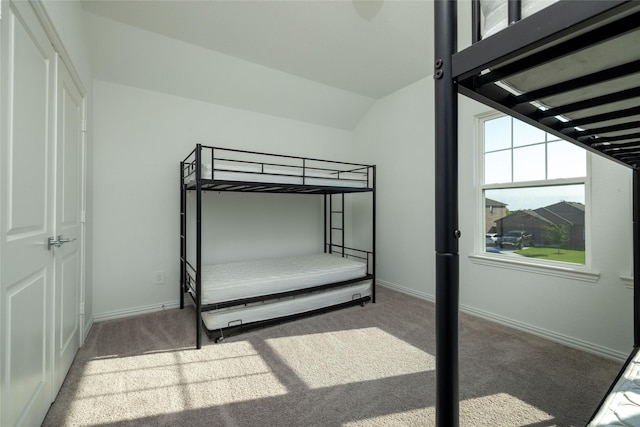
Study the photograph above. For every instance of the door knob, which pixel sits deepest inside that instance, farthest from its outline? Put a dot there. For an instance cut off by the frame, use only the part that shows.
(58, 241)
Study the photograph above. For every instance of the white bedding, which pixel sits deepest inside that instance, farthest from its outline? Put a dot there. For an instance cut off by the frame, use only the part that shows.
(622, 405)
(227, 282)
(254, 172)
(495, 13)
(234, 316)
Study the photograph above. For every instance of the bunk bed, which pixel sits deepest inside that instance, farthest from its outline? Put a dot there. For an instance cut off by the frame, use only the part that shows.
(568, 67)
(234, 297)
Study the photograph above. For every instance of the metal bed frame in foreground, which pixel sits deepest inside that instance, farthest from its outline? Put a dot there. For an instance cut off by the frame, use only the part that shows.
(556, 31)
(273, 174)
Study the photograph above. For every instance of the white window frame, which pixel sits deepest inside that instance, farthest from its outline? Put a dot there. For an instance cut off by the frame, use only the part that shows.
(553, 268)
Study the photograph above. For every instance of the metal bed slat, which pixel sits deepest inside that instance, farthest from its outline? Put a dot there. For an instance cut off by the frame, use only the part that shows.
(580, 82)
(591, 102)
(551, 23)
(552, 53)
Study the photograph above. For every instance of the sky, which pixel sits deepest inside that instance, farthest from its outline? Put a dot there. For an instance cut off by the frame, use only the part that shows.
(516, 152)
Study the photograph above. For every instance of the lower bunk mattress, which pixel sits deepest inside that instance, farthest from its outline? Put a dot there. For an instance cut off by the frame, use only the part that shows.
(233, 281)
(281, 307)
(621, 407)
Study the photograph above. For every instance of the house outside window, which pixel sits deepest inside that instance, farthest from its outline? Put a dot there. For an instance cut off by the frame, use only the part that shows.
(533, 191)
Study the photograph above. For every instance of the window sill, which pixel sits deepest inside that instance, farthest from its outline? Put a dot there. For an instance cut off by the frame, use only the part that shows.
(567, 272)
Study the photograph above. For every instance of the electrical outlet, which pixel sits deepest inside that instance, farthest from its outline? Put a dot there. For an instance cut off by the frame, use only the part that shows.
(158, 278)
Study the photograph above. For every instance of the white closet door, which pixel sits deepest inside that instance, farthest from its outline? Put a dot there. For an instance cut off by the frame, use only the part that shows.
(68, 259)
(27, 73)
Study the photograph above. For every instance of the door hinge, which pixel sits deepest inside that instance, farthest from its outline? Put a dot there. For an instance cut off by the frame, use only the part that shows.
(84, 126)
(83, 217)
(81, 308)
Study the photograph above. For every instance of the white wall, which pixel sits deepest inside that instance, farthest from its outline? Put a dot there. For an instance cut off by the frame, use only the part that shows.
(134, 57)
(398, 135)
(395, 135)
(140, 137)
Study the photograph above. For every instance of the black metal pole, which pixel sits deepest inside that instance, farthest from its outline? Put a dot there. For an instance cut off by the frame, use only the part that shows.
(636, 258)
(199, 246)
(183, 255)
(476, 31)
(446, 205)
(373, 231)
(514, 11)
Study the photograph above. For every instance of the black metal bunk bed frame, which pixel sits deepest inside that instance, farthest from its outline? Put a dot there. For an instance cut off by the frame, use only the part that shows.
(285, 166)
(556, 31)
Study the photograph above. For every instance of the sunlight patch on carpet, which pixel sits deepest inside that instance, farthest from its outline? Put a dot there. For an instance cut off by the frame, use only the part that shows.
(499, 409)
(129, 388)
(343, 357)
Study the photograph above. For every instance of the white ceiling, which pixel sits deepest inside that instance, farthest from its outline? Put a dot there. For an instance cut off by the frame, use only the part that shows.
(370, 48)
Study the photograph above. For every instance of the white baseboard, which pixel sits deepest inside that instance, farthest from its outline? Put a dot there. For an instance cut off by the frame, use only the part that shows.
(521, 326)
(118, 314)
(87, 329)
(405, 290)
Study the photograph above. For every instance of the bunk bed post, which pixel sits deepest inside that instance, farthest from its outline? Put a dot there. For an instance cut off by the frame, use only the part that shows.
(636, 257)
(514, 11)
(373, 238)
(446, 205)
(476, 31)
(183, 255)
(198, 246)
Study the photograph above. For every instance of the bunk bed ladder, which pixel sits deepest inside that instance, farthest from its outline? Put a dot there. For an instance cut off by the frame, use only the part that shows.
(332, 226)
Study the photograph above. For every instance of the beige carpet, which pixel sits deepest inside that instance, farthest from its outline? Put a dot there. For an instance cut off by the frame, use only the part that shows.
(361, 366)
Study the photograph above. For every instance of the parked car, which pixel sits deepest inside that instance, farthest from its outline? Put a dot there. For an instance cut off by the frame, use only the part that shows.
(492, 239)
(517, 238)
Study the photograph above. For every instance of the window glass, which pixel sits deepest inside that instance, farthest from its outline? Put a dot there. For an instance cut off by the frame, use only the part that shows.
(566, 160)
(497, 167)
(498, 134)
(524, 134)
(534, 193)
(529, 163)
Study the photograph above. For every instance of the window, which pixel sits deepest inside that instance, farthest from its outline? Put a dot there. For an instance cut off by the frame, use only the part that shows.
(533, 192)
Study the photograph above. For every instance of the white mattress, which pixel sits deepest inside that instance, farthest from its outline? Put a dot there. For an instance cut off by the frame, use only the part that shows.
(254, 172)
(227, 282)
(495, 13)
(622, 405)
(234, 316)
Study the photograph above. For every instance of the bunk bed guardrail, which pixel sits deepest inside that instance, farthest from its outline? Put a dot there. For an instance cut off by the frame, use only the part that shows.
(237, 170)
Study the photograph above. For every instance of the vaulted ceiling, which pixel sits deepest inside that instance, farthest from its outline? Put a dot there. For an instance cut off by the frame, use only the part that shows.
(369, 48)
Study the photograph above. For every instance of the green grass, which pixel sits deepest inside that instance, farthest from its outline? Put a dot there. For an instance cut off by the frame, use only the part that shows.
(551, 254)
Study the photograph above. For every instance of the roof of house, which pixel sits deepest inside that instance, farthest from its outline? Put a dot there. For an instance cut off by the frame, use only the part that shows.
(490, 202)
(569, 213)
